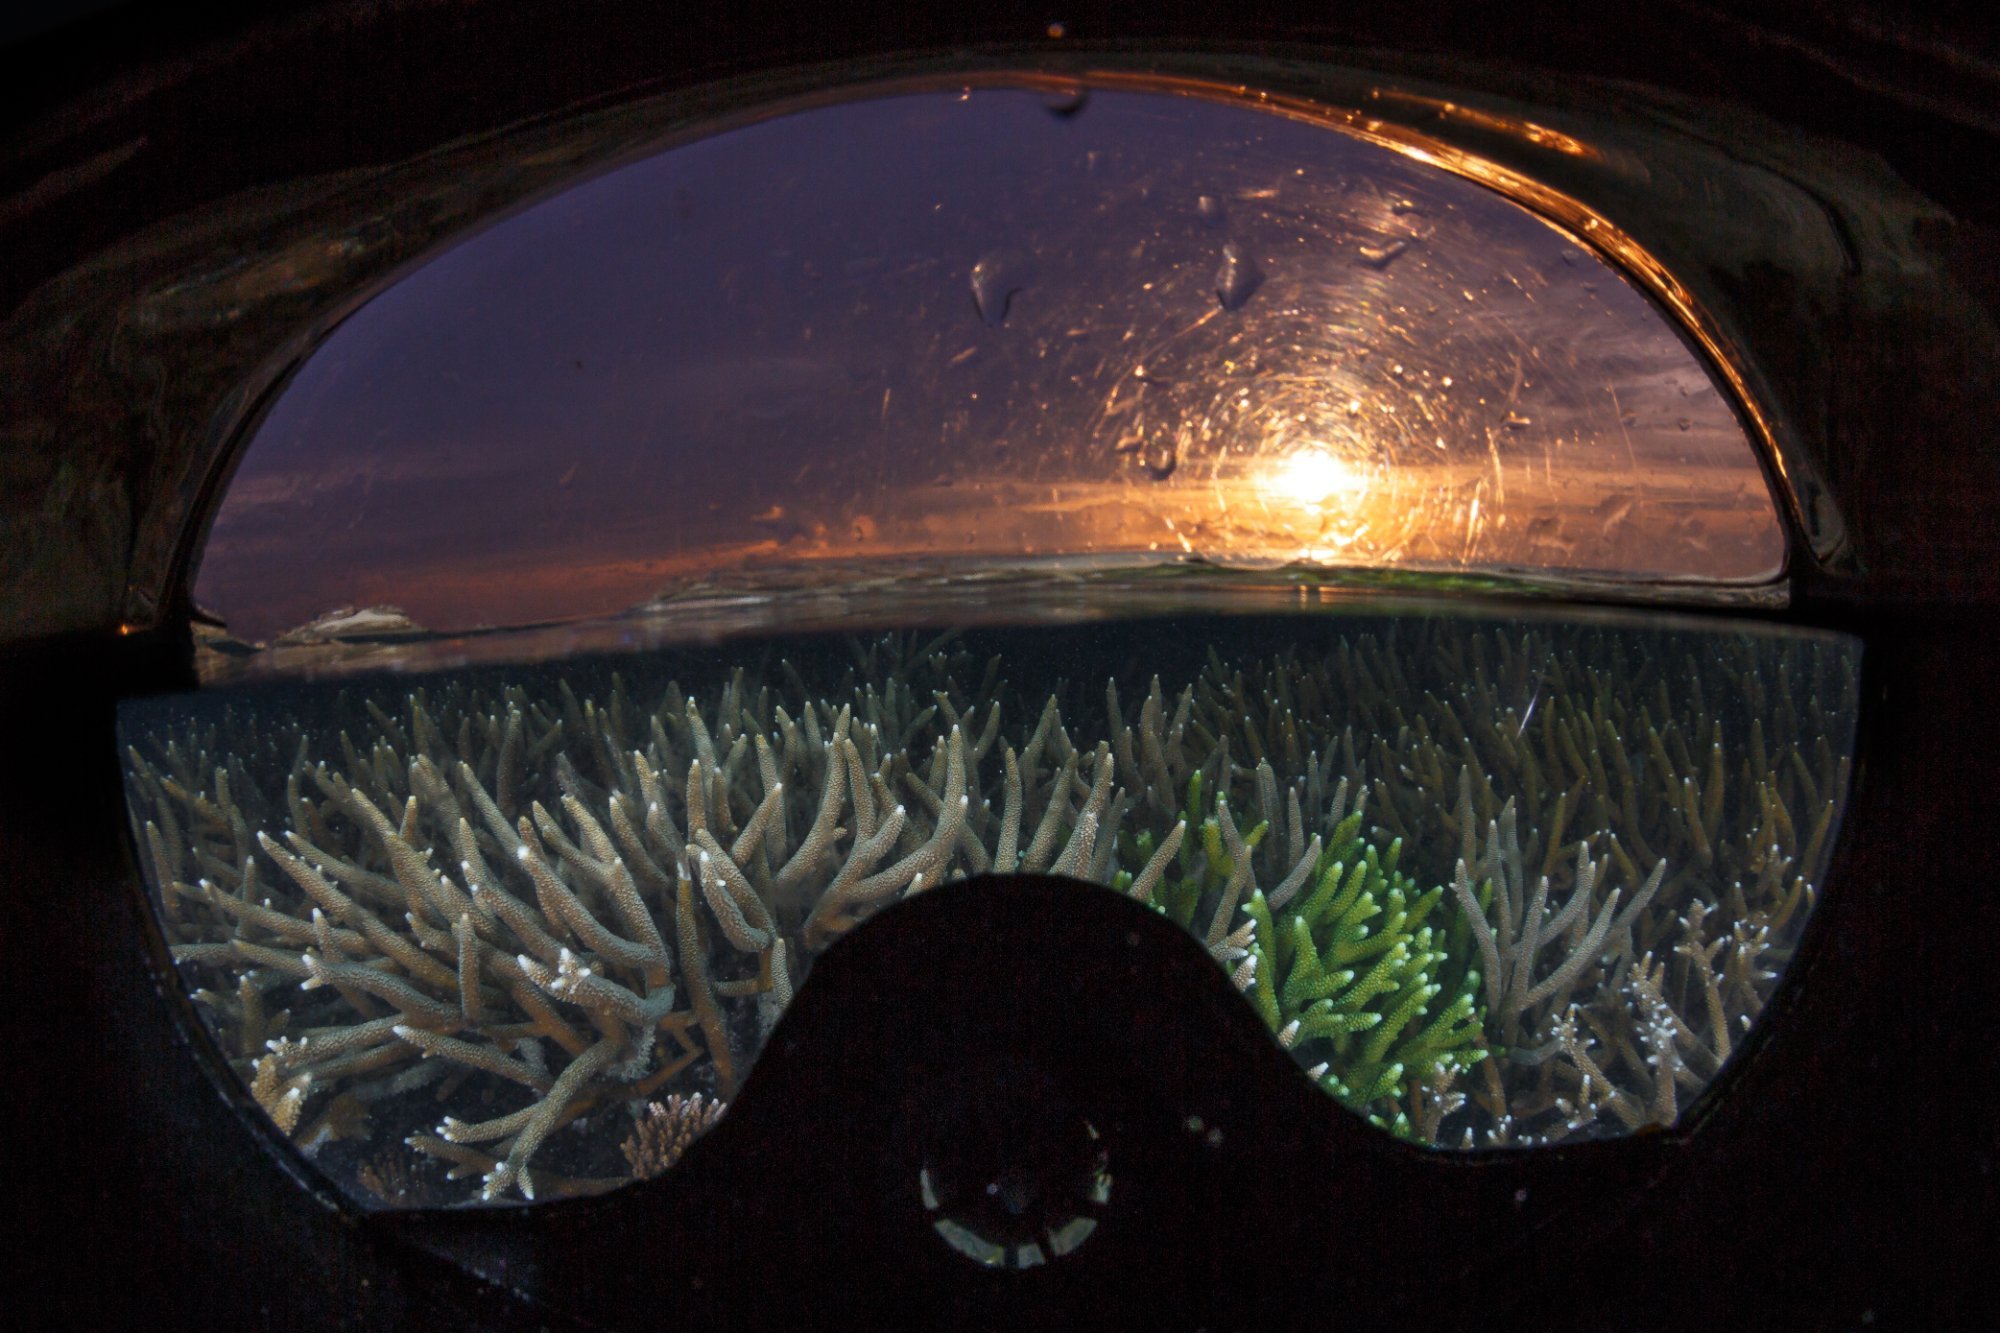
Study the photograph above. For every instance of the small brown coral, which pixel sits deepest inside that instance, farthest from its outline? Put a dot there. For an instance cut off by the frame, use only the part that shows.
(665, 1130)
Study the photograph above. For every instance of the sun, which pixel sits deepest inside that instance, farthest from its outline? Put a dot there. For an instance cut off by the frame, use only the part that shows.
(1312, 477)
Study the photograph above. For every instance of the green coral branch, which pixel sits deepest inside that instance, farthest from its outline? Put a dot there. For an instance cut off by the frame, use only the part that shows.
(1355, 979)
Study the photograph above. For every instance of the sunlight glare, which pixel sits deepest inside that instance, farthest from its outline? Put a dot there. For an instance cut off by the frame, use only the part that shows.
(1313, 477)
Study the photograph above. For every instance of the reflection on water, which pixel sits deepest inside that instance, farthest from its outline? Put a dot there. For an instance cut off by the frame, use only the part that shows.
(519, 932)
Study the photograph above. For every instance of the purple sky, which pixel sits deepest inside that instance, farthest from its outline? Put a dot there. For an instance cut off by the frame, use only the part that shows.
(728, 346)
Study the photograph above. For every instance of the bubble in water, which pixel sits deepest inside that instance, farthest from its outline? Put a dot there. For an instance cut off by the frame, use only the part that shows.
(995, 278)
(1159, 459)
(1210, 210)
(1237, 277)
(1381, 256)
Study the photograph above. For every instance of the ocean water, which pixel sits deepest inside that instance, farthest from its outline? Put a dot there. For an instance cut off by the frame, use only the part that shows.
(504, 931)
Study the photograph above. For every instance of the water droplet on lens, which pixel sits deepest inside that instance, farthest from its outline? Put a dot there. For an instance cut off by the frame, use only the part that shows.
(1381, 256)
(1066, 103)
(1211, 211)
(995, 278)
(1159, 459)
(1237, 277)
(1685, 424)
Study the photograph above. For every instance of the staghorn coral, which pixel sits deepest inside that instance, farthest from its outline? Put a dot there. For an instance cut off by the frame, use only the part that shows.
(664, 1131)
(1350, 977)
(541, 911)
(1696, 777)
(1700, 778)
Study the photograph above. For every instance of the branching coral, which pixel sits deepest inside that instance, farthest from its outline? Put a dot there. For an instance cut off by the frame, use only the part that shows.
(1693, 775)
(664, 1131)
(1514, 927)
(1341, 957)
(539, 911)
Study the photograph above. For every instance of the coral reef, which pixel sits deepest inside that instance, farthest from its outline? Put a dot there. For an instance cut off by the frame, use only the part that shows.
(1431, 857)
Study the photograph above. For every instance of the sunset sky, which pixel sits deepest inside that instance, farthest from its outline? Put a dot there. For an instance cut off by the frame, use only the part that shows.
(761, 344)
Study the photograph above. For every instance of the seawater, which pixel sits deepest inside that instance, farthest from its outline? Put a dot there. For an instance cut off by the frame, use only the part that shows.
(1484, 875)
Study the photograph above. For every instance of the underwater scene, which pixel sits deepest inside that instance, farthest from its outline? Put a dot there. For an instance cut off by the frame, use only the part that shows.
(511, 933)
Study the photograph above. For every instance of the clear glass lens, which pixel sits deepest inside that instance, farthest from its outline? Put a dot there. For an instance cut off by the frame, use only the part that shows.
(981, 328)
(509, 933)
